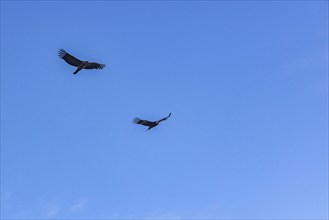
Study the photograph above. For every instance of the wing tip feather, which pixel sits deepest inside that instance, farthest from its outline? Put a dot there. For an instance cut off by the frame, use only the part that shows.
(62, 53)
(136, 120)
(101, 66)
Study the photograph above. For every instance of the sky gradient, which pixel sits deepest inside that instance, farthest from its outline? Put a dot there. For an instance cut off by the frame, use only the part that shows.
(246, 83)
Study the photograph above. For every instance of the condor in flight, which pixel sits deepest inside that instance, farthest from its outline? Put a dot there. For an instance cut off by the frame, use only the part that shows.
(78, 63)
(150, 124)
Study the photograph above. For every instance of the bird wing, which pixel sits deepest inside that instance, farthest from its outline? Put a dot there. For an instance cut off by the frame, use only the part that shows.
(69, 58)
(143, 122)
(163, 119)
(93, 65)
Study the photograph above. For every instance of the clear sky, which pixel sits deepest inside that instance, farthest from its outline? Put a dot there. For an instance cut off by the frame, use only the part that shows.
(246, 83)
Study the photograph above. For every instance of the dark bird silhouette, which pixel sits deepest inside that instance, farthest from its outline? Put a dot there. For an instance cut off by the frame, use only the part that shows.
(78, 63)
(150, 124)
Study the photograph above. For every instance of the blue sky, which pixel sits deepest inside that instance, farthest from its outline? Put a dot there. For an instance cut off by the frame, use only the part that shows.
(246, 83)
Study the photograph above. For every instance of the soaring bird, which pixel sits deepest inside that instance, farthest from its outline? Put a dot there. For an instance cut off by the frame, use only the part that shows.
(150, 124)
(78, 63)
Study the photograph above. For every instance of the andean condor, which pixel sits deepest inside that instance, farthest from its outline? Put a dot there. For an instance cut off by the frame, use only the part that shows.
(150, 124)
(78, 63)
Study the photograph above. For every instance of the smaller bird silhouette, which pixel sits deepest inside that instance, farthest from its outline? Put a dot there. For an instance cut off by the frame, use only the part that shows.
(150, 124)
(78, 63)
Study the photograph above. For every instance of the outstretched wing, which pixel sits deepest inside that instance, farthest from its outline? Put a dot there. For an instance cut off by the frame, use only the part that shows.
(94, 66)
(164, 118)
(69, 58)
(143, 122)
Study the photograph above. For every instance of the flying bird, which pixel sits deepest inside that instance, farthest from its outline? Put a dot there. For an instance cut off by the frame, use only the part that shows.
(150, 124)
(78, 63)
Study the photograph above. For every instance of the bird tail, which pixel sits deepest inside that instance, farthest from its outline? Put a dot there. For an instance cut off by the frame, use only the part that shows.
(80, 67)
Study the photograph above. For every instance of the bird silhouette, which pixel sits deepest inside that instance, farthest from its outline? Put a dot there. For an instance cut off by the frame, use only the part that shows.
(78, 63)
(150, 124)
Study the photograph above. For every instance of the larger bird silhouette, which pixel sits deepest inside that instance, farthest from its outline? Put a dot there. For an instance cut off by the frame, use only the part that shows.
(78, 63)
(150, 124)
